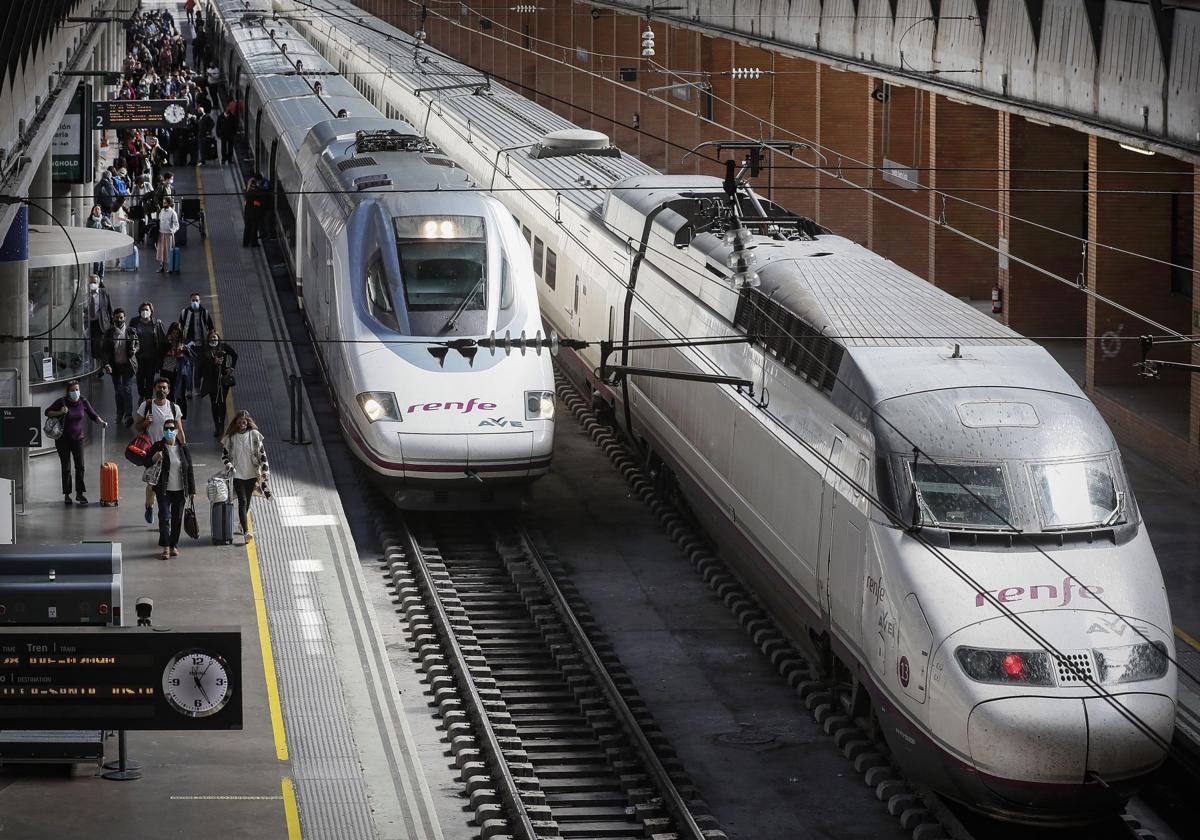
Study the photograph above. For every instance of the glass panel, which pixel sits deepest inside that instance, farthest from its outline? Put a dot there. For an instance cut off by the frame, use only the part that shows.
(58, 317)
(962, 495)
(443, 267)
(551, 268)
(539, 251)
(1075, 494)
(379, 297)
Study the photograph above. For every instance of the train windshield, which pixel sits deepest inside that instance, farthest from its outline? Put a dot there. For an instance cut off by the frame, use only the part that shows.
(443, 263)
(961, 495)
(1075, 494)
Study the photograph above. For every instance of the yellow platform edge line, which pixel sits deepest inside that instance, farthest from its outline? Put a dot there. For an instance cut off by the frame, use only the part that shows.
(260, 604)
(290, 811)
(1193, 643)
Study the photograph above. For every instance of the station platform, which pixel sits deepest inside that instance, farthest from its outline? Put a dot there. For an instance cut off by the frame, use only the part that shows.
(325, 751)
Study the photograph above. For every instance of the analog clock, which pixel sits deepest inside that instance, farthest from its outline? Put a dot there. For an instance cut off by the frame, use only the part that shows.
(196, 683)
(174, 114)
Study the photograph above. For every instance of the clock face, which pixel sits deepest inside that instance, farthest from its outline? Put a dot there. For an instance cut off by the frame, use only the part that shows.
(196, 683)
(174, 114)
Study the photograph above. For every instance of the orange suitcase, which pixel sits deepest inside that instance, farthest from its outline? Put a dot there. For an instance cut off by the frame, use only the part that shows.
(110, 479)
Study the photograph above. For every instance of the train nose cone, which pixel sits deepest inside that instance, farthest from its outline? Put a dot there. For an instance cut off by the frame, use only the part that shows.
(1046, 752)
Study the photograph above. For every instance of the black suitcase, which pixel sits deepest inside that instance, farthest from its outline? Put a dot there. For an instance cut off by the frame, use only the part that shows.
(210, 148)
(181, 235)
(222, 523)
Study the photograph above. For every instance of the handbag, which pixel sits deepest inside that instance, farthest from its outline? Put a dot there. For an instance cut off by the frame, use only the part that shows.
(228, 380)
(218, 489)
(136, 451)
(53, 428)
(153, 473)
(190, 526)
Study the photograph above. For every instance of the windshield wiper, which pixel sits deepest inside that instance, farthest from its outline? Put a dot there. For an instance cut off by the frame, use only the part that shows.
(463, 305)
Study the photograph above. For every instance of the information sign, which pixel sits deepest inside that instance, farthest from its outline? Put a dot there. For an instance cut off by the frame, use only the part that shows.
(120, 678)
(20, 425)
(72, 143)
(138, 113)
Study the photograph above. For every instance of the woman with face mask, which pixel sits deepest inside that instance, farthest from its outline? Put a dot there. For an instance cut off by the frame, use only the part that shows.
(73, 410)
(217, 361)
(176, 482)
(176, 365)
(152, 341)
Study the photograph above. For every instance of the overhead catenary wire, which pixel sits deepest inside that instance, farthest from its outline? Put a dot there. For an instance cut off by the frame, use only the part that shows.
(712, 365)
(813, 145)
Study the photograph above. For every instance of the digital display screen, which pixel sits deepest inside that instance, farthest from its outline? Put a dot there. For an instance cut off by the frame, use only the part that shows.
(138, 113)
(120, 678)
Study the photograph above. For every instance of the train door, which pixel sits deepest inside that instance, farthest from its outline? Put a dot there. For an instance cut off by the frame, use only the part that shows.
(829, 514)
(842, 542)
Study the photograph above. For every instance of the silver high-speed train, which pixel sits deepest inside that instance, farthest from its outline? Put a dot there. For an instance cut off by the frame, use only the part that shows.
(401, 266)
(994, 602)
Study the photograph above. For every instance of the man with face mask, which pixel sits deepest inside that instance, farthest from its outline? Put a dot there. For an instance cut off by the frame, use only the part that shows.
(196, 321)
(217, 362)
(152, 341)
(99, 312)
(150, 418)
(120, 353)
(73, 410)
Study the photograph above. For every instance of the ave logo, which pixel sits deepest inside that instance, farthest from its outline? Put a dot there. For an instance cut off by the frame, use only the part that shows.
(500, 421)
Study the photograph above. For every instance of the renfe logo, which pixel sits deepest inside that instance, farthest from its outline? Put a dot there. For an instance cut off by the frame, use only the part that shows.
(463, 408)
(1009, 594)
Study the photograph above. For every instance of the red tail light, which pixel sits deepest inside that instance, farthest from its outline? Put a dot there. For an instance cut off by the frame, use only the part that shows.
(1014, 666)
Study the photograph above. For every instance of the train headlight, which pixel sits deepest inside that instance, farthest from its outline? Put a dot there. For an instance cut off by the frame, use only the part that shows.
(1131, 663)
(379, 405)
(1025, 667)
(539, 405)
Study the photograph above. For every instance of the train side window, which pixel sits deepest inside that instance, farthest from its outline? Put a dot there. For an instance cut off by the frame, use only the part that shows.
(527, 234)
(506, 290)
(538, 251)
(551, 268)
(378, 296)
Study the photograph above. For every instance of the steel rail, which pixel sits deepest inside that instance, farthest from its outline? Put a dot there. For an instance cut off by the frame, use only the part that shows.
(519, 819)
(673, 800)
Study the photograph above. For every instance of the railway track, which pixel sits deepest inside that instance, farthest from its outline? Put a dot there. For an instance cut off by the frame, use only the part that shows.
(547, 732)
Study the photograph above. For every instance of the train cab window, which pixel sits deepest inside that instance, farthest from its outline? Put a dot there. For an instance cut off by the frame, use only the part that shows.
(539, 252)
(379, 298)
(1075, 494)
(443, 267)
(551, 268)
(961, 496)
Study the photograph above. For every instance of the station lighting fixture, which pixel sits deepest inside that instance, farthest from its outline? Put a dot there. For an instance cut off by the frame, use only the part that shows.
(1135, 149)
(746, 73)
(648, 42)
(525, 8)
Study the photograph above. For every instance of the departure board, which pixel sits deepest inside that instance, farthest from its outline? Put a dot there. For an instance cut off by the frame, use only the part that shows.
(120, 678)
(138, 113)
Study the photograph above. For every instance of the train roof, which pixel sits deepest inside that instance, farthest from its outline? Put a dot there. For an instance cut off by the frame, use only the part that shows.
(361, 154)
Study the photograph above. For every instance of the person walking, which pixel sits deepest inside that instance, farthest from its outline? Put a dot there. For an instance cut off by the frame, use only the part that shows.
(216, 366)
(105, 194)
(189, 9)
(227, 133)
(168, 226)
(175, 365)
(152, 342)
(120, 354)
(196, 320)
(150, 419)
(96, 220)
(73, 410)
(255, 201)
(99, 312)
(204, 131)
(176, 483)
(244, 453)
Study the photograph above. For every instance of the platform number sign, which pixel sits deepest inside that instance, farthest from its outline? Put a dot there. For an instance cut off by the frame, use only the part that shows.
(20, 426)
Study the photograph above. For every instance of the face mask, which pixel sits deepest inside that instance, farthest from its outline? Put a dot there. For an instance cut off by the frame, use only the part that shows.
(73, 395)
(145, 313)
(195, 305)
(168, 435)
(213, 343)
(93, 287)
(162, 393)
(120, 322)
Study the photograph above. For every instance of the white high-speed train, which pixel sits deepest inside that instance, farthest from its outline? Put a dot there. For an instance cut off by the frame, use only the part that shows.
(1032, 686)
(402, 267)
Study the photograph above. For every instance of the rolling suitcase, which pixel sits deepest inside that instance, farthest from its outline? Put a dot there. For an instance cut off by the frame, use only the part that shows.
(110, 479)
(222, 523)
(131, 262)
(181, 235)
(176, 261)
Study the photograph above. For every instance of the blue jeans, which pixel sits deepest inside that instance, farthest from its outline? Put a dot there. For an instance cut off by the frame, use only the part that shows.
(170, 517)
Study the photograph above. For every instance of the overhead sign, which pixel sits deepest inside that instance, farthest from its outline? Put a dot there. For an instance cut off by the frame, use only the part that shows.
(120, 678)
(20, 425)
(138, 113)
(72, 143)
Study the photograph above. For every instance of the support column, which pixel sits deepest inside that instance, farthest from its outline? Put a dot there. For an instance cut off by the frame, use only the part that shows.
(14, 321)
(40, 190)
(1194, 423)
(63, 204)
